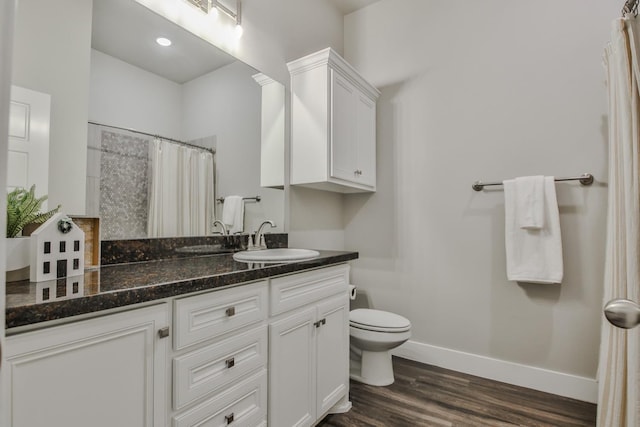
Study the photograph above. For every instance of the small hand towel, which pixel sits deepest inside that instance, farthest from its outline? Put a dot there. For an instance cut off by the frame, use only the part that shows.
(233, 214)
(533, 256)
(529, 193)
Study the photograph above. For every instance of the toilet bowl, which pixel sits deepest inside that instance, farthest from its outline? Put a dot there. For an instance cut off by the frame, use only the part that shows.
(373, 334)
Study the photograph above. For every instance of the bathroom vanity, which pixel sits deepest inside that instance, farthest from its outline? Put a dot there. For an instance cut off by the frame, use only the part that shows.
(183, 342)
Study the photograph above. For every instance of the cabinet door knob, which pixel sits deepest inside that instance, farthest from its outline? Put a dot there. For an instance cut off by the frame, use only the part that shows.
(229, 418)
(231, 311)
(317, 324)
(163, 332)
(324, 321)
(230, 362)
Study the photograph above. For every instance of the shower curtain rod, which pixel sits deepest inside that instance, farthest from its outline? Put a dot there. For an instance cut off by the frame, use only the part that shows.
(177, 141)
(630, 6)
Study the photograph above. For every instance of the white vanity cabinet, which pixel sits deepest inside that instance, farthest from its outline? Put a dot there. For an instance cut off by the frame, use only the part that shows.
(333, 125)
(220, 360)
(274, 350)
(102, 372)
(308, 345)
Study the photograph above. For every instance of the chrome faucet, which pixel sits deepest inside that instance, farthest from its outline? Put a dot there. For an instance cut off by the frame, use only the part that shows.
(258, 242)
(225, 232)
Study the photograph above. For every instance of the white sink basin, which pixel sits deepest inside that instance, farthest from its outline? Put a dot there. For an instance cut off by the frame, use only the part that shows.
(275, 255)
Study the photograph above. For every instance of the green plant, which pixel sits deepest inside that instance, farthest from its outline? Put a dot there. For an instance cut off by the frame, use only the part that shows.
(24, 208)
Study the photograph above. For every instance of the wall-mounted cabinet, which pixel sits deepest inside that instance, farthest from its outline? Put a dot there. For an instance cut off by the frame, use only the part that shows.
(271, 132)
(333, 125)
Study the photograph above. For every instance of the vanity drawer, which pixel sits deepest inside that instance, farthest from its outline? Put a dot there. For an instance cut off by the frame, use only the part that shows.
(205, 316)
(296, 290)
(218, 365)
(241, 405)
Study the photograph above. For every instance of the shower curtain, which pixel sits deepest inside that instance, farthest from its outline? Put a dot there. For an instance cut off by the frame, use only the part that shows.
(618, 380)
(181, 195)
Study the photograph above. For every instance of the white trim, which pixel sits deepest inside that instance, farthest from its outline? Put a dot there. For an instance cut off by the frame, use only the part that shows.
(7, 13)
(329, 57)
(559, 383)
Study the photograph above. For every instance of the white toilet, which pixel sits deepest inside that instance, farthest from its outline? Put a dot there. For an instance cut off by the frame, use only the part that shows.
(373, 334)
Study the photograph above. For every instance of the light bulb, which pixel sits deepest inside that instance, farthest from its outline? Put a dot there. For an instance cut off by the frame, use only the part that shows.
(239, 30)
(163, 41)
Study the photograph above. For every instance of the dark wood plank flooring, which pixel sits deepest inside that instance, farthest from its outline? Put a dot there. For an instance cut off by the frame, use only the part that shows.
(425, 395)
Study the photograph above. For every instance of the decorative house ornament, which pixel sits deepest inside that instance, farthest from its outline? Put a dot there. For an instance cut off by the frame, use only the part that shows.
(57, 249)
(60, 289)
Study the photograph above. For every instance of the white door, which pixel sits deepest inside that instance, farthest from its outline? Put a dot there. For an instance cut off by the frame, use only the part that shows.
(366, 141)
(332, 369)
(292, 355)
(343, 132)
(29, 117)
(103, 372)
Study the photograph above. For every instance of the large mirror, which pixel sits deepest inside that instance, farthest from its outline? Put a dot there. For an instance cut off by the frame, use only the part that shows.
(142, 95)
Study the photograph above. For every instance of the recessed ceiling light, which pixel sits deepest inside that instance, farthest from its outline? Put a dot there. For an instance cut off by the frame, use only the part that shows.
(163, 41)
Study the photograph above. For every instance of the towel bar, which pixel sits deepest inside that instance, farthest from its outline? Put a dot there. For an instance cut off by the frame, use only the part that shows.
(585, 179)
(255, 199)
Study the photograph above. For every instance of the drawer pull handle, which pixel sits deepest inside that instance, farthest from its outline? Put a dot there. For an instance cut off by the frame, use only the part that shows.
(230, 362)
(229, 418)
(320, 323)
(231, 311)
(163, 332)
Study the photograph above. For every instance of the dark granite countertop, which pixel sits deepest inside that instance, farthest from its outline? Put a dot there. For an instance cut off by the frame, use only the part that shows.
(119, 285)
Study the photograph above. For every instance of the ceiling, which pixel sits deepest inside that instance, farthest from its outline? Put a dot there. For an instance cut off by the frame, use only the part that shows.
(127, 30)
(348, 6)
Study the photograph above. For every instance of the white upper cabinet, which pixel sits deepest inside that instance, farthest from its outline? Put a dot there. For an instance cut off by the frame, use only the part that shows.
(272, 132)
(333, 125)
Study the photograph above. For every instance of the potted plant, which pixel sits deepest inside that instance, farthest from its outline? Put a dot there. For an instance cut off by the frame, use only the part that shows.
(23, 207)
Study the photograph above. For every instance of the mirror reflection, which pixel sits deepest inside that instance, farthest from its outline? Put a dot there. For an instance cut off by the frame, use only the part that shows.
(172, 129)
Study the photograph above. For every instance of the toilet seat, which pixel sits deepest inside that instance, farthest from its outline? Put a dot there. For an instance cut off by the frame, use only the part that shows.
(378, 320)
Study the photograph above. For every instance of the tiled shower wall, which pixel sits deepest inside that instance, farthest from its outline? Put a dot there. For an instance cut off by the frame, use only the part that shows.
(117, 182)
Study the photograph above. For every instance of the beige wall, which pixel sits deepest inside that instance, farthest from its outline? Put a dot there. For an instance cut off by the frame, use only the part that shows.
(483, 90)
(51, 55)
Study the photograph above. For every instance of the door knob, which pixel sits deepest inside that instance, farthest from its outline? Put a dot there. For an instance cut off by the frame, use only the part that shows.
(622, 313)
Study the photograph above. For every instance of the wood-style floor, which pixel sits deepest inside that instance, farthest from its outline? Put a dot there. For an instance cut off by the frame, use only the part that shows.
(425, 395)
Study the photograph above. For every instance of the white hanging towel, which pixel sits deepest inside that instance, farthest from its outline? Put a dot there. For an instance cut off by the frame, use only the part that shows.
(233, 214)
(533, 255)
(530, 202)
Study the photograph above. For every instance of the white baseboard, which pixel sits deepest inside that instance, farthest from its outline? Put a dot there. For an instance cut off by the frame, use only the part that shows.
(575, 387)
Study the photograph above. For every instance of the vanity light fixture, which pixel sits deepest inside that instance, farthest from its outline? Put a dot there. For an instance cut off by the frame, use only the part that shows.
(163, 41)
(203, 5)
(213, 6)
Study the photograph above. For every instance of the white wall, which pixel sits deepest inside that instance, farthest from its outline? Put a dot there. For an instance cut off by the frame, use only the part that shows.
(483, 90)
(61, 69)
(127, 96)
(226, 103)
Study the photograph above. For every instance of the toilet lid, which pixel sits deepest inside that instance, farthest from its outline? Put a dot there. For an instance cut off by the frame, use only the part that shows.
(367, 318)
